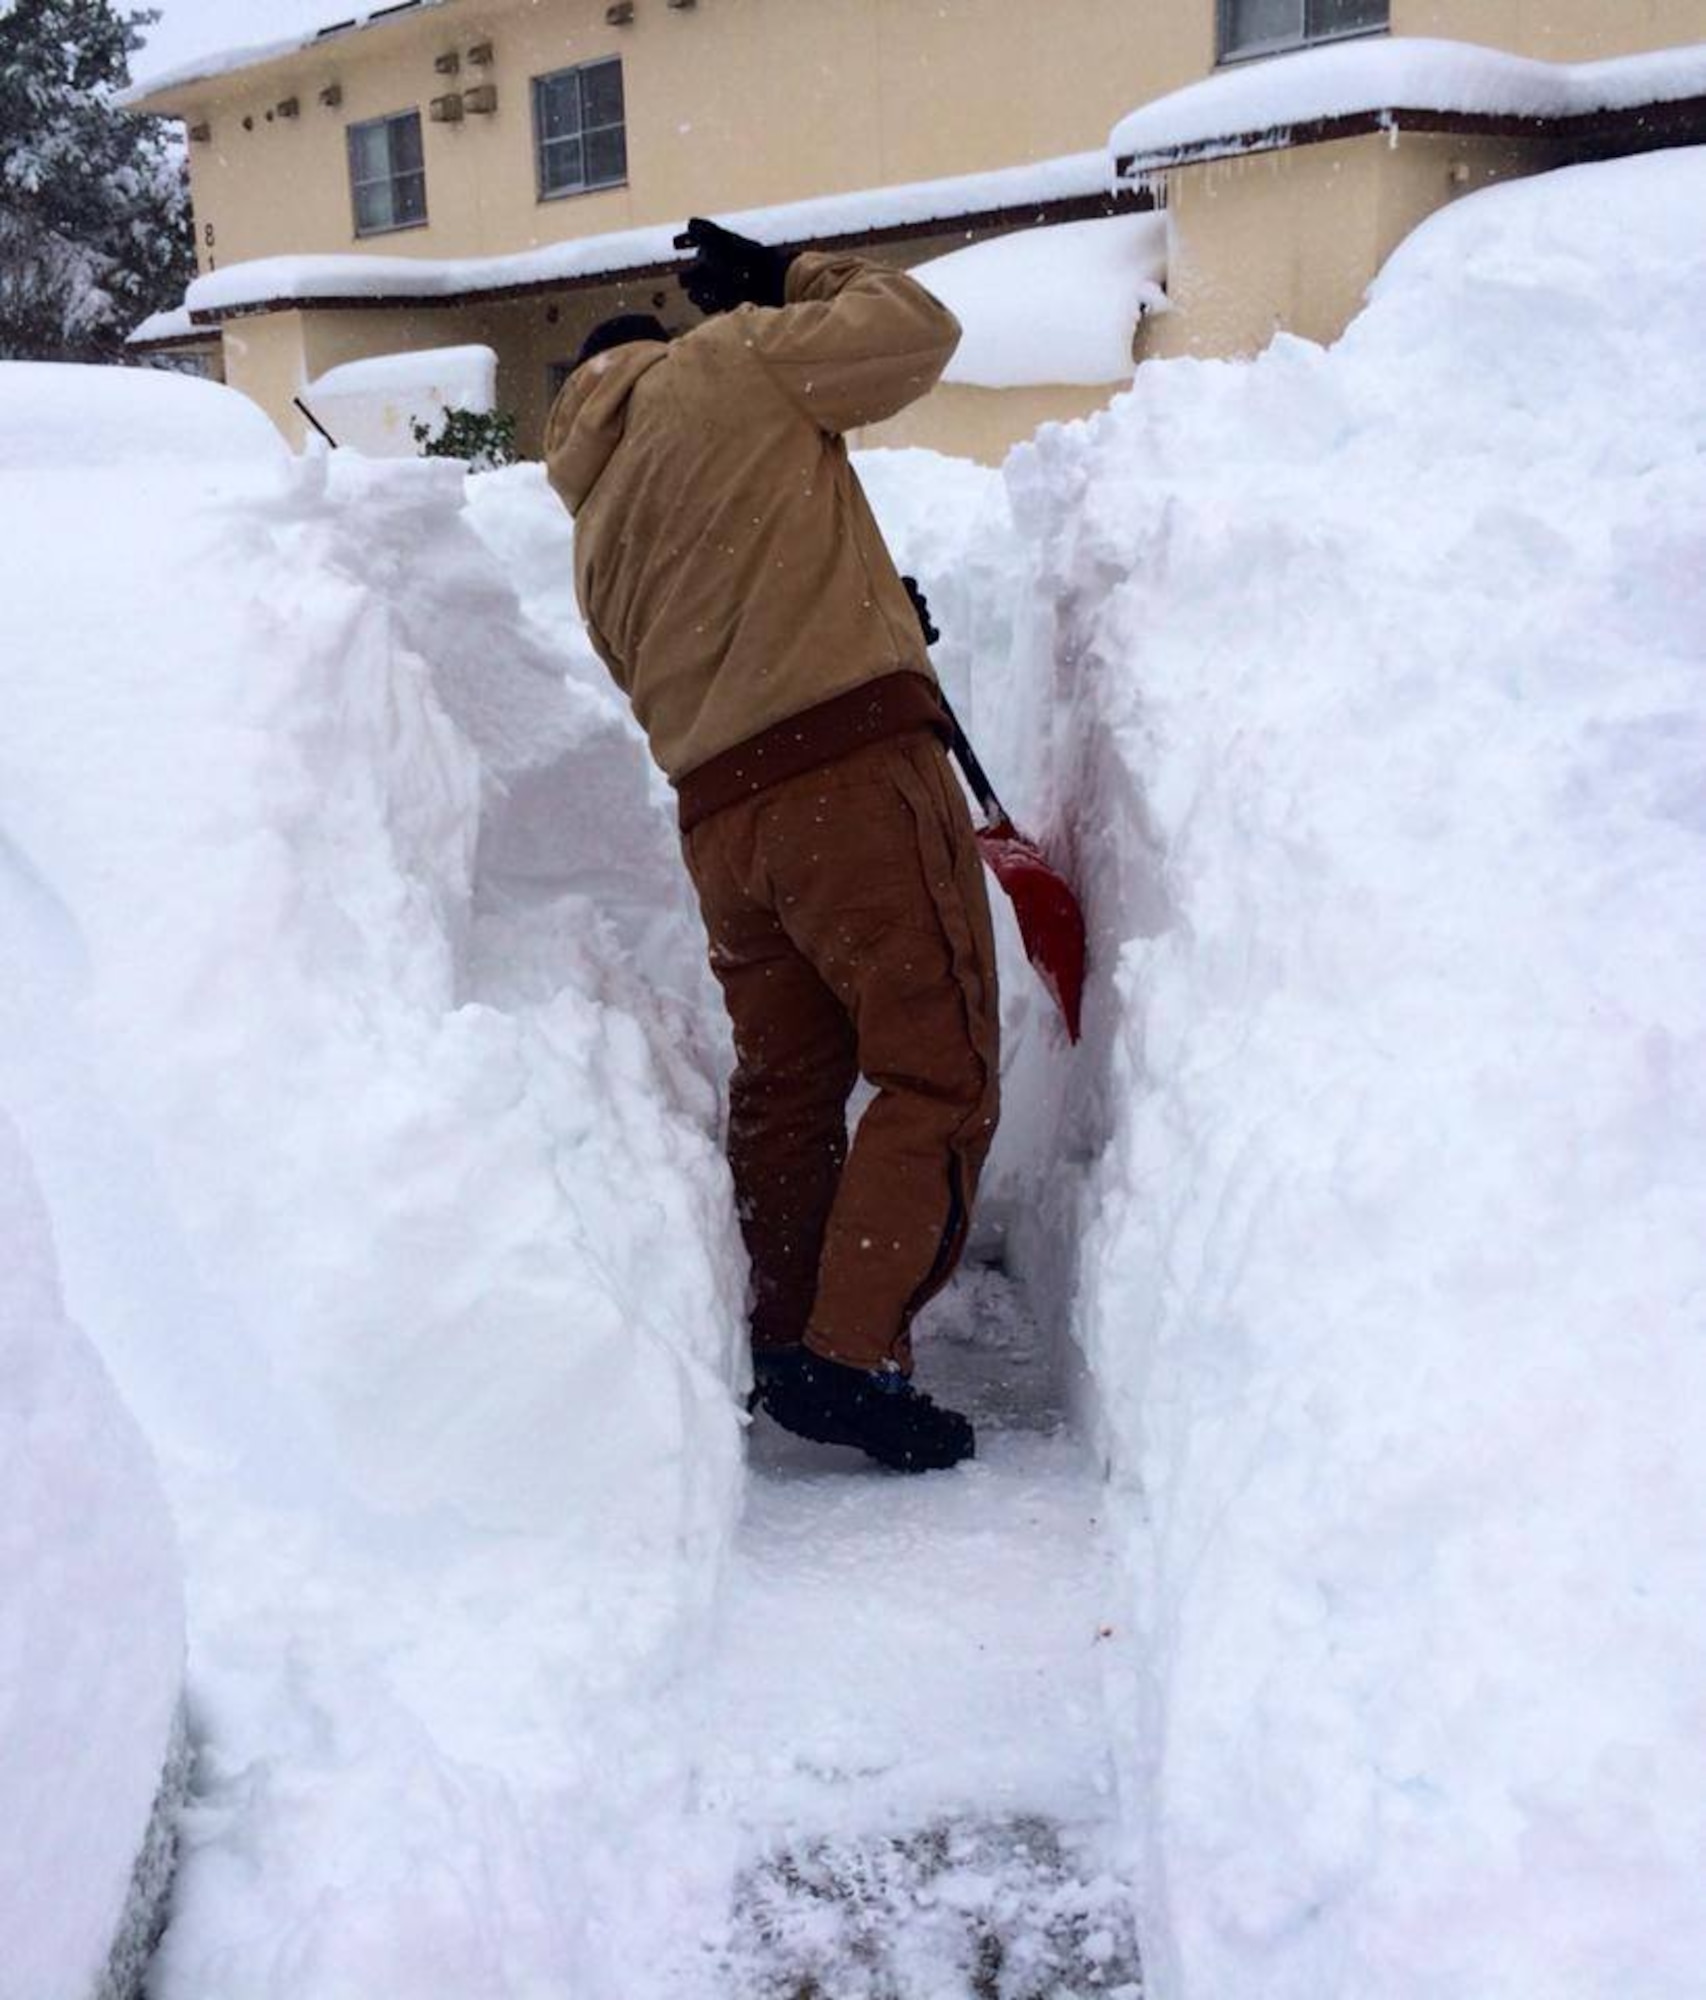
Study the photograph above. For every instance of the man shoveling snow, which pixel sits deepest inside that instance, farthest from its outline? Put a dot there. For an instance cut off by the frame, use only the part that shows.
(735, 583)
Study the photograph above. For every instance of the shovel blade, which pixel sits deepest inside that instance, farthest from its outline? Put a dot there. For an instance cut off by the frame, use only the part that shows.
(1051, 924)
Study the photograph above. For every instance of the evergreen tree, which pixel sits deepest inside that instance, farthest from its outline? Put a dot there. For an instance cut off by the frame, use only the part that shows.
(94, 205)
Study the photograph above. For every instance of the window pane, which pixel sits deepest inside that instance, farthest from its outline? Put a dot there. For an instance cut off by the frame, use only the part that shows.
(606, 156)
(408, 199)
(601, 93)
(1254, 24)
(405, 135)
(578, 128)
(1346, 17)
(563, 166)
(373, 207)
(367, 152)
(387, 173)
(559, 107)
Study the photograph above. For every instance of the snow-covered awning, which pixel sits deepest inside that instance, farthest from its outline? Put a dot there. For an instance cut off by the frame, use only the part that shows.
(1409, 81)
(1052, 306)
(169, 329)
(1072, 189)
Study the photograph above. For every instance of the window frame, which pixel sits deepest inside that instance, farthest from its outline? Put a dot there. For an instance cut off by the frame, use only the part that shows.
(542, 144)
(1308, 38)
(391, 177)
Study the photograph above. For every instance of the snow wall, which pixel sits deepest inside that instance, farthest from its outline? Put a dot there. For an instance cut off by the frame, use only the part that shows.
(357, 1027)
(289, 774)
(91, 1628)
(1364, 689)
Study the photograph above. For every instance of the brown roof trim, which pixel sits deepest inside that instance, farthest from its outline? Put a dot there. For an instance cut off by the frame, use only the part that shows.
(1027, 215)
(1637, 128)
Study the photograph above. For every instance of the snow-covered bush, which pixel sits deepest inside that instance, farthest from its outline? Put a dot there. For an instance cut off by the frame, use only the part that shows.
(484, 440)
(94, 204)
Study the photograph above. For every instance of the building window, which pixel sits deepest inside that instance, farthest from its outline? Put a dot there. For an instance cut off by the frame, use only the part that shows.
(579, 128)
(1262, 27)
(387, 172)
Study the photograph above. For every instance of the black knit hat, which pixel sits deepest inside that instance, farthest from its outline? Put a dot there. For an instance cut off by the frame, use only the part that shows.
(619, 331)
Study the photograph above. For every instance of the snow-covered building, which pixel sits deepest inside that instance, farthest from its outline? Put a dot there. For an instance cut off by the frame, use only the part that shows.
(447, 174)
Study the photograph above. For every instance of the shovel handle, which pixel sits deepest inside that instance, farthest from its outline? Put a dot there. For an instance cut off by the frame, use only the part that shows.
(315, 421)
(976, 776)
(967, 758)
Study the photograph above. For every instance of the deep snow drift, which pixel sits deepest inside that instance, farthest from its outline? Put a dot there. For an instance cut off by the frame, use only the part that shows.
(359, 1058)
(1374, 699)
(91, 1623)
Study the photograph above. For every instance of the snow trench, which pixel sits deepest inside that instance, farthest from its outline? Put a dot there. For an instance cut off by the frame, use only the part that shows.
(1322, 1617)
(371, 1066)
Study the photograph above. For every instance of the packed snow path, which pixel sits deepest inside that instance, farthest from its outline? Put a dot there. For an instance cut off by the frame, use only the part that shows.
(903, 1744)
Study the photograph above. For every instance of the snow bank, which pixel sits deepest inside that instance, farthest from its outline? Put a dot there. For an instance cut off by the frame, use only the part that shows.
(57, 416)
(1399, 73)
(1052, 305)
(371, 406)
(1375, 685)
(354, 1009)
(91, 1623)
(319, 704)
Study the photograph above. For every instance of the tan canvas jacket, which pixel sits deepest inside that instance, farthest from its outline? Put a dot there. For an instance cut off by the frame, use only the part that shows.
(727, 563)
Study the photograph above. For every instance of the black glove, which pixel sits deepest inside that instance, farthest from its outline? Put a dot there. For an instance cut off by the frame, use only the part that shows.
(921, 604)
(729, 270)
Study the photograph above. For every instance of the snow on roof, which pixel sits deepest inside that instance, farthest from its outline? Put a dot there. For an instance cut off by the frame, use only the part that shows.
(311, 21)
(1053, 305)
(164, 326)
(1392, 73)
(281, 280)
(472, 370)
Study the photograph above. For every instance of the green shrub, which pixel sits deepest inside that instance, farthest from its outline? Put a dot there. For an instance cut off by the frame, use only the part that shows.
(483, 439)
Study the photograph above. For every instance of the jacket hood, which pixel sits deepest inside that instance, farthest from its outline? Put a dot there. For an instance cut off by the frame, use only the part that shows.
(590, 414)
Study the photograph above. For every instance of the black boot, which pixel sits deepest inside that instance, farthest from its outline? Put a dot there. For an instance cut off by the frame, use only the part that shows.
(876, 1409)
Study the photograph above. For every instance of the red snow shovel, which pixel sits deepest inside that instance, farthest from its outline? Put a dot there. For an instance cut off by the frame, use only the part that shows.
(1050, 922)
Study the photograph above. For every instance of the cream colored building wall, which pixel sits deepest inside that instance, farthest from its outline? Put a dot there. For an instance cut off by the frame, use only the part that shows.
(737, 104)
(264, 357)
(984, 424)
(1557, 30)
(1292, 239)
(274, 357)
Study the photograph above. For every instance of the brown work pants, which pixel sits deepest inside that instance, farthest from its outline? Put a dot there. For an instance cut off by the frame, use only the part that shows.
(850, 932)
